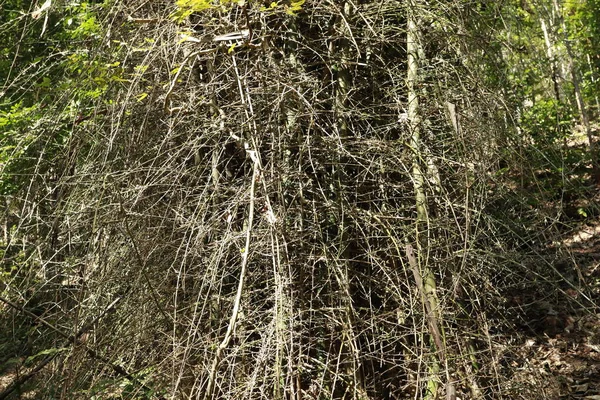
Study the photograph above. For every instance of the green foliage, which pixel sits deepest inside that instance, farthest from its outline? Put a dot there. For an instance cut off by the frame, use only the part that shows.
(89, 27)
(106, 388)
(35, 123)
(16, 141)
(41, 354)
(294, 7)
(582, 19)
(547, 121)
(185, 8)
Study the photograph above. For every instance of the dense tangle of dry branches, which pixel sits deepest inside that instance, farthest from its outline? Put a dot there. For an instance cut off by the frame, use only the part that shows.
(249, 202)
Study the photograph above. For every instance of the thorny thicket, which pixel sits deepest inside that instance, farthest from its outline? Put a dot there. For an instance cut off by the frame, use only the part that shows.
(137, 238)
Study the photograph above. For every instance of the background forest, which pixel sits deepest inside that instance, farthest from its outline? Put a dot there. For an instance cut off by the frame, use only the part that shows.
(335, 199)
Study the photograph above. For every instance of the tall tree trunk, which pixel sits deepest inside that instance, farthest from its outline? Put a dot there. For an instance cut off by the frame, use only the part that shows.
(583, 113)
(551, 59)
(420, 264)
(594, 80)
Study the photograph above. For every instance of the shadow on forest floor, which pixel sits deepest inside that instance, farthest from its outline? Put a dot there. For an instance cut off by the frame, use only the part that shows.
(558, 354)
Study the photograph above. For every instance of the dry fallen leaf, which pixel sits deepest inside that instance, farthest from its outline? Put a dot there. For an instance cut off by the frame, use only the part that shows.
(581, 388)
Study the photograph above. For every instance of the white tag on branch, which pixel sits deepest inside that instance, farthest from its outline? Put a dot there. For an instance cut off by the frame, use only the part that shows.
(253, 156)
(188, 38)
(251, 153)
(38, 13)
(403, 118)
(243, 34)
(271, 218)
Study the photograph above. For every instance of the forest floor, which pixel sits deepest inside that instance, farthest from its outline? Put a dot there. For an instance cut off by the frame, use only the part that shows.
(557, 355)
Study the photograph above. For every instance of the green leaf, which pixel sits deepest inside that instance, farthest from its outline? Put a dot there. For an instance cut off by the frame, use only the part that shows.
(185, 8)
(271, 7)
(294, 6)
(46, 82)
(194, 5)
(47, 352)
(141, 96)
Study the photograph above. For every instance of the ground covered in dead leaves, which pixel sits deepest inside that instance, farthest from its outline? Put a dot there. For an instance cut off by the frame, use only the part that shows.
(557, 353)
